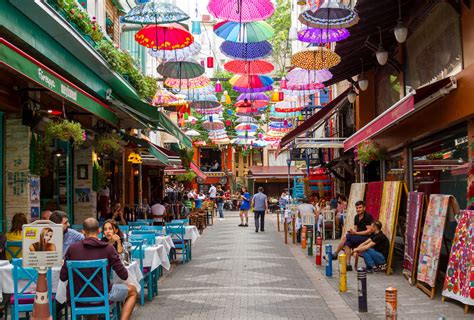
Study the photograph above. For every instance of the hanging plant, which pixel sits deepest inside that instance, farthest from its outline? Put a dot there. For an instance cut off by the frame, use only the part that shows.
(40, 156)
(65, 130)
(108, 143)
(185, 177)
(99, 176)
(369, 151)
(186, 156)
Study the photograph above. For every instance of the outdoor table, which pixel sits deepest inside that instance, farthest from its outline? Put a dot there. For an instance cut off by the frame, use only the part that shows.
(166, 241)
(156, 256)
(191, 233)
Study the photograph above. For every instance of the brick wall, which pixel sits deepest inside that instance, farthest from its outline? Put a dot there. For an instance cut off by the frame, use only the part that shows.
(85, 205)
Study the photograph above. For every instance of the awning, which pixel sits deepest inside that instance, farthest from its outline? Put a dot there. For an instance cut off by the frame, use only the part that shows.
(316, 143)
(314, 120)
(198, 171)
(21, 62)
(405, 107)
(269, 172)
(149, 147)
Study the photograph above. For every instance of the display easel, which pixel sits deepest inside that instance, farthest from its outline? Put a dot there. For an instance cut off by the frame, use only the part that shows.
(357, 194)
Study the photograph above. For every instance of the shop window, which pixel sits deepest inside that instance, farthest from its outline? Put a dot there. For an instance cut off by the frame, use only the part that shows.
(395, 168)
(257, 158)
(387, 91)
(209, 157)
(440, 165)
(434, 49)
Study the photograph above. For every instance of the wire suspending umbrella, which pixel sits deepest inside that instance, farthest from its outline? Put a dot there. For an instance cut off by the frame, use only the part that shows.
(244, 32)
(241, 10)
(246, 51)
(315, 58)
(178, 54)
(332, 15)
(324, 35)
(155, 12)
(185, 69)
(164, 37)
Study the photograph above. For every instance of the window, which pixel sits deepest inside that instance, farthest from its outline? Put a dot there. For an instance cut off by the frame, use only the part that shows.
(211, 159)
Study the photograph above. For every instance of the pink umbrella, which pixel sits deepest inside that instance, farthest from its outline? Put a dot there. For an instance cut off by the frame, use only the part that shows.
(241, 10)
(299, 76)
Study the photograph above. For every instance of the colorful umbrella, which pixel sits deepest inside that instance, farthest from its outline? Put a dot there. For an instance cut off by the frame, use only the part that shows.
(299, 76)
(163, 97)
(256, 104)
(304, 87)
(280, 125)
(221, 141)
(259, 144)
(199, 82)
(246, 126)
(249, 67)
(178, 54)
(196, 96)
(331, 15)
(315, 35)
(213, 125)
(253, 96)
(208, 90)
(249, 90)
(155, 12)
(244, 32)
(241, 10)
(192, 133)
(183, 69)
(164, 37)
(209, 111)
(250, 81)
(247, 112)
(200, 105)
(190, 119)
(246, 51)
(287, 107)
(315, 58)
(244, 119)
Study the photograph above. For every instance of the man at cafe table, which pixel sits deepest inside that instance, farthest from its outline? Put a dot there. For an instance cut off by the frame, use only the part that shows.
(91, 248)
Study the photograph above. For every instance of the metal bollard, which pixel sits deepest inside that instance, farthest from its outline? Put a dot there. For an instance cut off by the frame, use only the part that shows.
(293, 226)
(329, 260)
(362, 289)
(310, 242)
(391, 303)
(342, 273)
(319, 250)
(304, 229)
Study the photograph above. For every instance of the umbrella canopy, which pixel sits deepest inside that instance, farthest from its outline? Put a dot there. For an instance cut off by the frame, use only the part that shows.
(253, 96)
(256, 103)
(246, 126)
(185, 69)
(196, 96)
(209, 111)
(303, 87)
(155, 12)
(177, 54)
(315, 58)
(246, 51)
(287, 107)
(252, 67)
(245, 119)
(213, 125)
(208, 90)
(164, 37)
(248, 90)
(192, 133)
(221, 141)
(299, 76)
(332, 15)
(247, 112)
(244, 32)
(199, 82)
(241, 10)
(204, 105)
(315, 35)
(250, 81)
(163, 96)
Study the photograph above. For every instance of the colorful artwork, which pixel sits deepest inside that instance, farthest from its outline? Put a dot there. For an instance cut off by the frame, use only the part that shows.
(391, 196)
(357, 194)
(459, 280)
(431, 241)
(412, 231)
(83, 195)
(374, 198)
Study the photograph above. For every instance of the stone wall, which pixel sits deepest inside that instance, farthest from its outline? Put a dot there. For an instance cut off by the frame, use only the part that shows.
(85, 199)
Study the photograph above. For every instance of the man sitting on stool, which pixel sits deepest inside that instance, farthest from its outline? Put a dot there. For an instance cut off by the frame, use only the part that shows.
(355, 237)
(375, 249)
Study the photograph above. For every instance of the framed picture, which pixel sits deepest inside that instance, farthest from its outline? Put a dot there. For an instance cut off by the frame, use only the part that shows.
(82, 172)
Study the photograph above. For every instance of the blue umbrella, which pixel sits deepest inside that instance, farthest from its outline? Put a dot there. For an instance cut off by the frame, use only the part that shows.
(246, 51)
(155, 12)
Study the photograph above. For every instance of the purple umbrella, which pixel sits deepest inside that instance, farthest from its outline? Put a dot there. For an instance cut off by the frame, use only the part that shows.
(315, 35)
(250, 90)
(253, 96)
(246, 51)
(330, 15)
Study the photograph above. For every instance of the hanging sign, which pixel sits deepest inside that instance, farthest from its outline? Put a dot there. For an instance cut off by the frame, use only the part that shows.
(42, 244)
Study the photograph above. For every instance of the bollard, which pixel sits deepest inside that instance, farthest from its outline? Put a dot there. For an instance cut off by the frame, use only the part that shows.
(310, 242)
(329, 260)
(293, 224)
(285, 225)
(342, 273)
(278, 220)
(319, 250)
(391, 303)
(362, 289)
(41, 304)
(304, 229)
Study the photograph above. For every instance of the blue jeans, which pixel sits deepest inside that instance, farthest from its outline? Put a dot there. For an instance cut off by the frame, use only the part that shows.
(259, 215)
(373, 258)
(220, 207)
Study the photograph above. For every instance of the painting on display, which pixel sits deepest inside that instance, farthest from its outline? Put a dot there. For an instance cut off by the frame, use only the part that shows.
(357, 194)
(373, 198)
(390, 204)
(459, 280)
(415, 206)
(83, 195)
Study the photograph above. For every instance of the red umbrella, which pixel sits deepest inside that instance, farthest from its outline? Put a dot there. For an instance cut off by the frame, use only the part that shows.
(256, 104)
(164, 37)
(249, 67)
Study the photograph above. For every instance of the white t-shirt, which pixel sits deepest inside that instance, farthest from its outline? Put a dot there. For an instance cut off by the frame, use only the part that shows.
(212, 192)
(307, 213)
(201, 197)
(158, 210)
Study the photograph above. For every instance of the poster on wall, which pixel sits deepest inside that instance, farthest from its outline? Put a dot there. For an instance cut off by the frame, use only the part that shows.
(357, 194)
(459, 280)
(415, 206)
(35, 213)
(373, 198)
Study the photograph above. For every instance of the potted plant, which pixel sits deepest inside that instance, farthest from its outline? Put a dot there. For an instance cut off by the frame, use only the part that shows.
(185, 177)
(108, 143)
(65, 130)
(369, 151)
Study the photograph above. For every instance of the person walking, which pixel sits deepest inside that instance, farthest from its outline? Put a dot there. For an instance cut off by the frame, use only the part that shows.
(259, 206)
(220, 202)
(244, 208)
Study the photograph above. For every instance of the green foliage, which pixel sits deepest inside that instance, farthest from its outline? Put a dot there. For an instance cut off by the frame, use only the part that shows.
(81, 18)
(99, 176)
(40, 156)
(185, 177)
(186, 156)
(281, 23)
(369, 151)
(108, 143)
(64, 130)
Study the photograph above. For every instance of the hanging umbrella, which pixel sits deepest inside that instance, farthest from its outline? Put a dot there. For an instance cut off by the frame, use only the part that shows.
(279, 125)
(163, 97)
(331, 15)
(213, 125)
(316, 35)
(164, 37)
(190, 119)
(209, 111)
(221, 141)
(253, 96)
(256, 103)
(155, 12)
(249, 67)
(259, 144)
(200, 105)
(315, 58)
(177, 54)
(245, 119)
(303, 87)
(241, 10)
(246, 126)
(287, 107)
(250, 81)
(247, 112)
(199, 82)
(246, 51)
(185, 69)
(192, 133)
(208, 90)
(244, 32)
(299, 76)
(249, 90)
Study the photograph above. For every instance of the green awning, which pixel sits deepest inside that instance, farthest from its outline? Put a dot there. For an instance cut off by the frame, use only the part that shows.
(151, 148)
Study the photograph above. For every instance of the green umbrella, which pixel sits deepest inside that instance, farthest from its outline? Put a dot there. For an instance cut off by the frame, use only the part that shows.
(186, 69)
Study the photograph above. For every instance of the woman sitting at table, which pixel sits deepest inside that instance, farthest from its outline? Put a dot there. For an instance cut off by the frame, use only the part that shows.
(112, 235)
(44, 241)
(18, 221)
(118, 215)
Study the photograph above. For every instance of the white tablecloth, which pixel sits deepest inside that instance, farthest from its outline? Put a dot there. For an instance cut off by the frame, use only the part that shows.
(156, 256)
(192, 233)
(165, 241)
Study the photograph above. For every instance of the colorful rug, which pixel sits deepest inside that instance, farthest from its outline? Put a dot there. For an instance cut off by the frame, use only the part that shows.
(390, 204)
(432, 239)
(357, 194)
(459, 280)
(373, 198)
(415, 209)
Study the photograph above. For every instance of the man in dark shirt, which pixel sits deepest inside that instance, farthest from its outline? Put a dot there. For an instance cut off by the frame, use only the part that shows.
(375, 249)
(355, 236)
(220, 202)
(91, 248)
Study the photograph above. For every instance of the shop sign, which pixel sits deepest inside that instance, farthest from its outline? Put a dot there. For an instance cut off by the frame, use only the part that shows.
(42, 244)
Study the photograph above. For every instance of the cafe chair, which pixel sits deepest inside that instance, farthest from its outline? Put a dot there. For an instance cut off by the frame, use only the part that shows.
(148, 222)
(138, 253)
(149, 237)
(96, 304)
(14, 248)
(124, 229)
(177, 233)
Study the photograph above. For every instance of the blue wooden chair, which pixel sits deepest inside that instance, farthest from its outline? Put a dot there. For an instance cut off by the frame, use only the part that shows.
(95, 304)
(14, 248)
(23, 298)
(148, 222)
(124, 229)
(150, 237)
(183, 221)
(138, 253)
(77, 227)
(177, 232)
(159, 230)
(132, 224)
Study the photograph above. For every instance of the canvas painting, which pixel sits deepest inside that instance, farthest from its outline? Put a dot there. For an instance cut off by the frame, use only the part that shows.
(357, 193)
(392, 191)
(412, 231)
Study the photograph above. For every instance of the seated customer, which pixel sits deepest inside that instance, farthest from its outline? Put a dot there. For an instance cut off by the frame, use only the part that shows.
(355, 237)
(70, 235)
(158, 211)
(18, 221)
(112, 235)
(375, 249)
(91, 248)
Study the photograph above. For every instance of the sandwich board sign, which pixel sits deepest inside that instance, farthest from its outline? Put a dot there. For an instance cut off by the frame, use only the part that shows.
(42, 244)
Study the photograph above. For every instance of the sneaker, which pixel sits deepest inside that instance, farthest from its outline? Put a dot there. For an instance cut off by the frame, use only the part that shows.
(370, 270)
(241, 225)
(334, 256)
(382, 267)
(349, 268)
(246, 225)
(262, 230)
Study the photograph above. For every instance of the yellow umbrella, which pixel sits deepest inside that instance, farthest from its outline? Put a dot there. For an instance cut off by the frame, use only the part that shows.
(315, 58)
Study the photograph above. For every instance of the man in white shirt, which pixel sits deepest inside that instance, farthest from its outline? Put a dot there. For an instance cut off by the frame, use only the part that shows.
(213, 193)
(158, 210)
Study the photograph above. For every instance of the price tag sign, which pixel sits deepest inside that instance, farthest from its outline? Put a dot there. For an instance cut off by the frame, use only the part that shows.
(42, 244)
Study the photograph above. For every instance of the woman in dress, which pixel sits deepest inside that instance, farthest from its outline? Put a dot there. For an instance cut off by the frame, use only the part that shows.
(244, 207)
